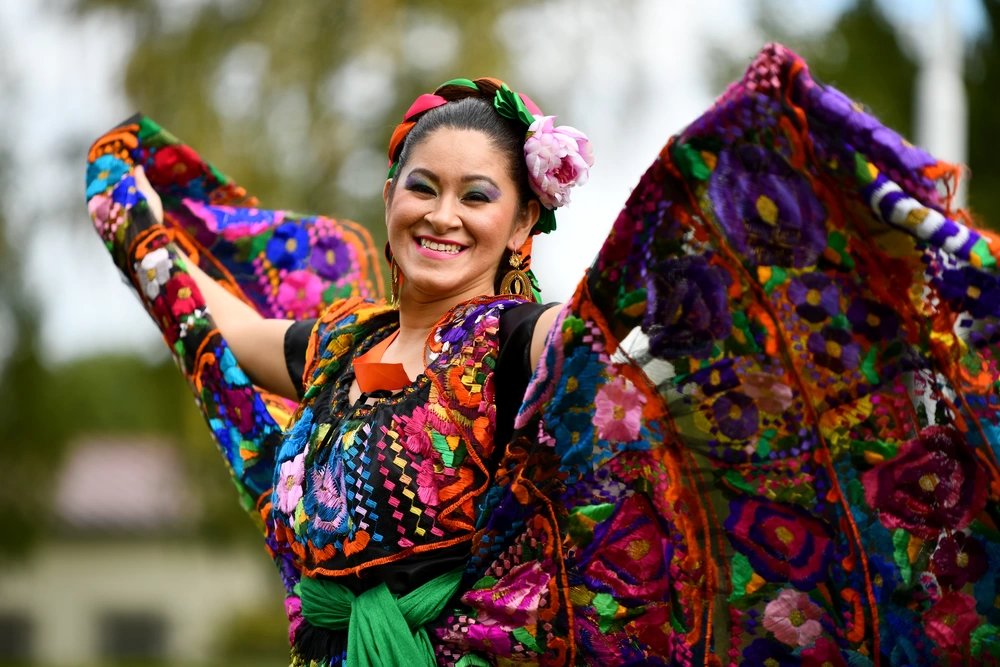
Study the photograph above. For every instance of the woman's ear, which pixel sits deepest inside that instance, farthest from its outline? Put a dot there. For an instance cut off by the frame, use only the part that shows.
(386, 189)
(526, 220)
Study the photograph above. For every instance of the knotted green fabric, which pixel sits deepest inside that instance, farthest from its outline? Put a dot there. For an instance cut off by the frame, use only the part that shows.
(382, 630)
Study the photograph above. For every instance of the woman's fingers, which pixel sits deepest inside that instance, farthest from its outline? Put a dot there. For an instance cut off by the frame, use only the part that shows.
(153, 199)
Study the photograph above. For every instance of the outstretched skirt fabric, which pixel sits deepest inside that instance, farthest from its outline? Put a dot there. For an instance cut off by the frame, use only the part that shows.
(764, 429)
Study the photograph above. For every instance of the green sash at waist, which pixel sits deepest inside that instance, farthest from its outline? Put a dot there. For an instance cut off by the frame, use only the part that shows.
(382, 630)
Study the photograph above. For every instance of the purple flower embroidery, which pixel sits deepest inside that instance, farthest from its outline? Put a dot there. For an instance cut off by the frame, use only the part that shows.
(834, 348)
(782, 542)
(815, 297)
(958, 559)
(330, 257)
(736, 415)
(687, 307)
(717, 378)
(767, 209)
(971, 290)
(872, 320)
(764, 652)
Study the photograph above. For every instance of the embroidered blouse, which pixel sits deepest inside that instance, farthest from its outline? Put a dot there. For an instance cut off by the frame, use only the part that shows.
(385, 489)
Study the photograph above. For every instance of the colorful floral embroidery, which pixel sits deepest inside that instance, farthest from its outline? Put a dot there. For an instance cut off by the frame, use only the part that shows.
(764, 430)
(793, 618)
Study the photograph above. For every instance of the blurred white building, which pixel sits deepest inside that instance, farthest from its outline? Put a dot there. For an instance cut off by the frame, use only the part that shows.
(124, 579)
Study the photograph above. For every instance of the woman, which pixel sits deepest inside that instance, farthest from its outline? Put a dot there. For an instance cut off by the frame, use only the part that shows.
(460, 208)
(762, 431)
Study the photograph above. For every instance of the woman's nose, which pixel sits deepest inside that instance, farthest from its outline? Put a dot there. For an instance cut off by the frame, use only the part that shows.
(444, 214)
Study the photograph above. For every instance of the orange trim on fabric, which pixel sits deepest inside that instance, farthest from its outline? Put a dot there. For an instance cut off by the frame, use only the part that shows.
(422, 548)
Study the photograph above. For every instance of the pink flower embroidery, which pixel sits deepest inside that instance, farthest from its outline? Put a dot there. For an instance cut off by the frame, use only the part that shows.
(513, 601)
(300, 293)
(414, 434)
(489, 638)
(771, 396)
(951, 620)
(290, 478)
(238, 403)
(934, 483)
(793, 618)
(427, 486)
(107, 215)
(558, 158)
(326, 487)
(619, 408)
(293, 609)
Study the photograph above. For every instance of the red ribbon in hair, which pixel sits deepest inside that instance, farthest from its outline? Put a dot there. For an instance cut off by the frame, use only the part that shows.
(425, 102)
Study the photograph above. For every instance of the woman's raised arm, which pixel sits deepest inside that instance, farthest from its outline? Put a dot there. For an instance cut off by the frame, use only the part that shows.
(257, 342)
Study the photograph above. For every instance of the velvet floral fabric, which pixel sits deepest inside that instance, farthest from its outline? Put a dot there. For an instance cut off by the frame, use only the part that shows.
(764, 430)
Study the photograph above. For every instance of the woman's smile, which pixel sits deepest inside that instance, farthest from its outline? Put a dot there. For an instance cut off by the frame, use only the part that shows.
(434, 248)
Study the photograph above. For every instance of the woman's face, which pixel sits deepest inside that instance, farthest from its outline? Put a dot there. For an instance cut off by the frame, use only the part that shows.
(453, 212)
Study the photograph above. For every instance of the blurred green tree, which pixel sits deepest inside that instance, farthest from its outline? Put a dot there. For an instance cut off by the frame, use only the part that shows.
(984, 122)
(863, 55)
(297, 101)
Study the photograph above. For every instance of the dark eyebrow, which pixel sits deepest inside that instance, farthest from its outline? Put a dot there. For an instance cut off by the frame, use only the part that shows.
(465, 179)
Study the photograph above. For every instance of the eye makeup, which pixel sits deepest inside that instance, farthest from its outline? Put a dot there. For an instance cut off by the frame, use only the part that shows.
(487, 190)
(415, 181)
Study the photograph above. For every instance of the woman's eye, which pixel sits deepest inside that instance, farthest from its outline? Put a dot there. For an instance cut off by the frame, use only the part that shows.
(421, 188)
(477, 197)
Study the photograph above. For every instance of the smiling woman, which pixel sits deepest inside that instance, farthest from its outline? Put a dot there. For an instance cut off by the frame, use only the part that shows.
(762, 431)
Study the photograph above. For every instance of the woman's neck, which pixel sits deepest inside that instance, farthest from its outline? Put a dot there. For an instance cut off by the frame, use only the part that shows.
(417, 318)
(419, 314)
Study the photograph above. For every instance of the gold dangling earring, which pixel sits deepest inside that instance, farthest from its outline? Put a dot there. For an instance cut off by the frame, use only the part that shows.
(516, 281)
(396, 282)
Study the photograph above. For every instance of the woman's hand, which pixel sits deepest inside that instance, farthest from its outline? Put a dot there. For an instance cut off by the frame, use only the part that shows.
(152, 198)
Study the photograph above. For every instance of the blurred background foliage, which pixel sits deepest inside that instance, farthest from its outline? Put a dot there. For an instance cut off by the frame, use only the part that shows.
(296, 100)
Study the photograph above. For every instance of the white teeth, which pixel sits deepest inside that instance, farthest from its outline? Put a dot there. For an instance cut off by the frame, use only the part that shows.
(440, 247)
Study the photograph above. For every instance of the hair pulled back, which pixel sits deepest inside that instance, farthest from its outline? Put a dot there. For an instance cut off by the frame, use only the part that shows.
(470, 109)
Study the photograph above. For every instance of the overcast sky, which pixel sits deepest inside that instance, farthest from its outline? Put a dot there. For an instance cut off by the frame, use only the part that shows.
(63, 86)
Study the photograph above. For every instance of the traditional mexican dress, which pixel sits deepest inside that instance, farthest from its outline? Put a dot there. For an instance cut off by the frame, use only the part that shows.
(764, 429)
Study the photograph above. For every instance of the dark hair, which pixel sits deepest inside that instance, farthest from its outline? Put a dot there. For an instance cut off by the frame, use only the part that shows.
(469, 111)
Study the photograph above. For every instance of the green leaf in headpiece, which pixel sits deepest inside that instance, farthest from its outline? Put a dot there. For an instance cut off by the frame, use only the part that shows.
(467, 83)
(546, 221)
(510, 105)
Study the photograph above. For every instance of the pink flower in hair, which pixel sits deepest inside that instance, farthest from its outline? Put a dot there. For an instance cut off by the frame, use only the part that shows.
(558, 158)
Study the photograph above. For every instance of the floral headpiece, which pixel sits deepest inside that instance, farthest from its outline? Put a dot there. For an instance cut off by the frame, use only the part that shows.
(558, 158)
